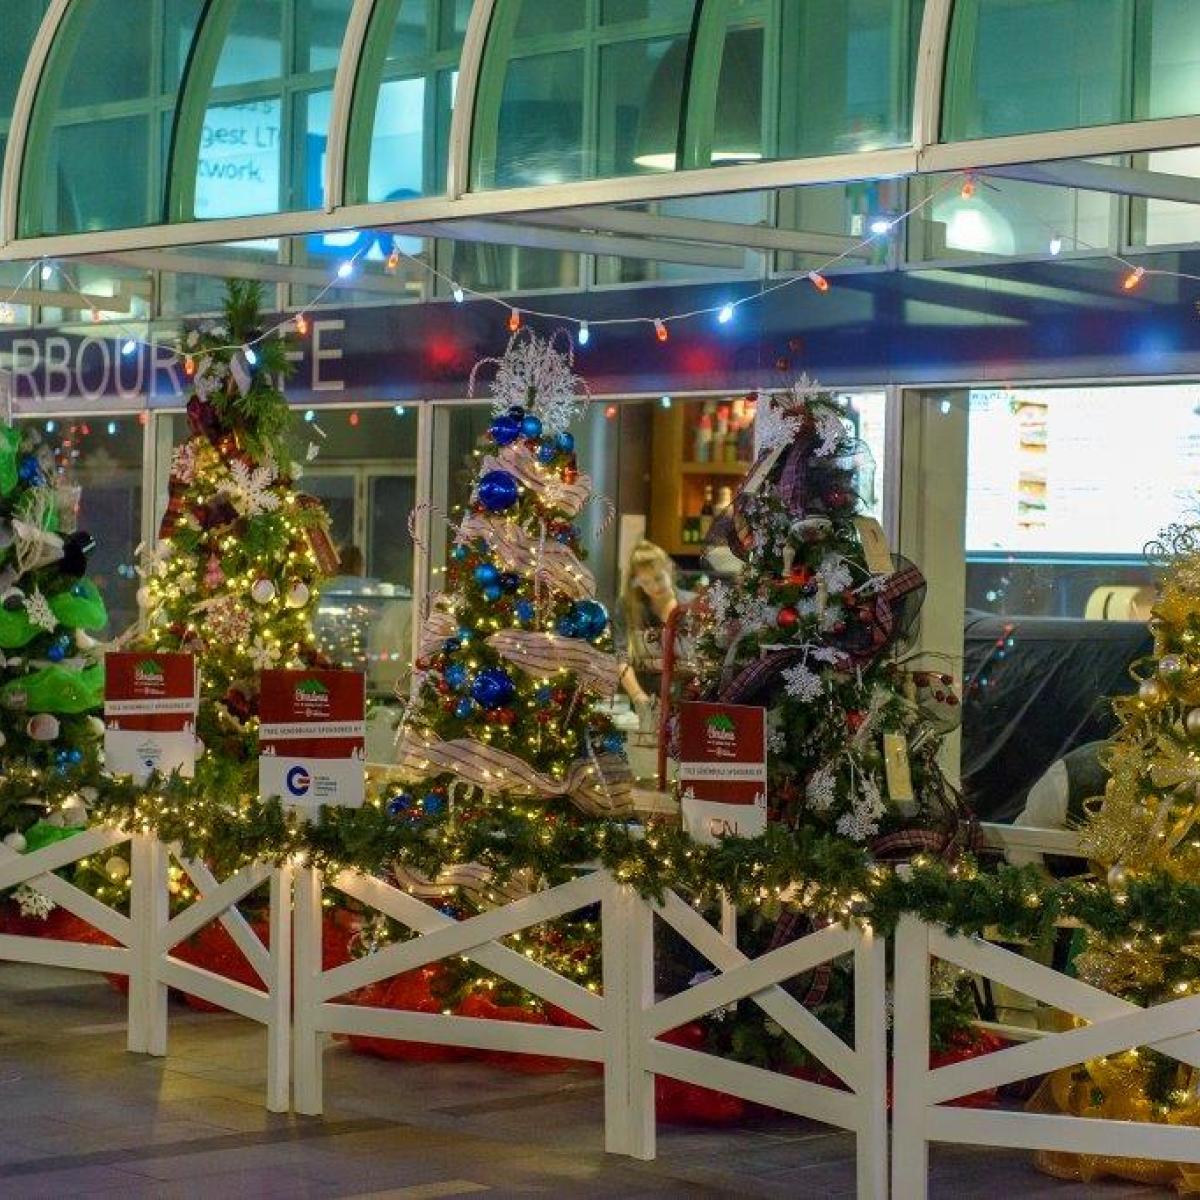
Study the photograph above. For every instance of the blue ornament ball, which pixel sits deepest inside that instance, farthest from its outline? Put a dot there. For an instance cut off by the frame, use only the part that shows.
(542, 695)
(78, 590)
(517, 413)
(451, 645)
(464, 634)
(56, 653)
(456, 676)
(525, 611)
(28, 470)
(505, 429)
(492, 592)
(464, 708)
(565, 442)
(546, 452)
(566, 627)
(531, 427)
(497, 491)
(564, 536)
(400, 803)
(509, 581)
(591, 617)
(614, 743)
(75, 755)
(459, 552)
(493, 688)
(486, 573)
(433, 803)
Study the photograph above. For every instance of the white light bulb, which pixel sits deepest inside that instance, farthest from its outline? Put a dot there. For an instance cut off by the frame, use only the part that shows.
(128, 347)
(585, 334)
(457, 293)
(1056, 244)
(251, 355)
(665, 401)
(881, 225)
(726, 314)
(346, 269)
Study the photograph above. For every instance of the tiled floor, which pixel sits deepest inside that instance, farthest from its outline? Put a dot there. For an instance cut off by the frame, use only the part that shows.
(80, 1117)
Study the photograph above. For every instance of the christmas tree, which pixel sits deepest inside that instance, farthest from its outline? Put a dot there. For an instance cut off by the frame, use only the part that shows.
(1145, 830)
(516, 652)
(235, 577)
(51, 672)
(807, 628)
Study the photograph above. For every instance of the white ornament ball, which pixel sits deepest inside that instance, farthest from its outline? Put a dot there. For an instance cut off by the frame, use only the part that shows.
(96, 726)
(1118, 878)
(1150, 690)
(74, 813)
(262, 591)
(43, 727)
(1192, 722)
(15, 841)
(298, 594)
(116, 869)
(1170, 664)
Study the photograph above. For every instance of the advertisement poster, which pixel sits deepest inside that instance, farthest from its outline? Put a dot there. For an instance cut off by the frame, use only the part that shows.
(150, 703)
(312, 737)
(723, 770)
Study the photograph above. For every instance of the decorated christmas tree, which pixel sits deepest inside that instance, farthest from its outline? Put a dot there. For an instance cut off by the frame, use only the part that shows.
(51, 672)
(235, 577)
(807, 631)
(516, 652)
(1145, 831)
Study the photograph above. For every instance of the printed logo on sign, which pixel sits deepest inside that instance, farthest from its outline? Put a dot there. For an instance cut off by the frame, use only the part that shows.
(148, 678)
(298, 781)
(312, 698)
(721, 735)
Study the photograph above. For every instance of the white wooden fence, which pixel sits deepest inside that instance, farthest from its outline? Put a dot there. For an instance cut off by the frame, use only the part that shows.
(625, 1020)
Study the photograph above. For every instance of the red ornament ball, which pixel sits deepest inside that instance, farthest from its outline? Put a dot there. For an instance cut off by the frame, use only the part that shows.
(569, 475)
(854, 720)
(787, 618)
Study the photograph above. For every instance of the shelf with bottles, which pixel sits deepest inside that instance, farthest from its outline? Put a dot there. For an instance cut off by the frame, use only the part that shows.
(719, 435)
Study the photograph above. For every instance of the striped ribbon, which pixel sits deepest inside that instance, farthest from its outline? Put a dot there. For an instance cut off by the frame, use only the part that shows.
(439, 625)
(544, 654)
(602, 788)
(552, 490)
(558, 569)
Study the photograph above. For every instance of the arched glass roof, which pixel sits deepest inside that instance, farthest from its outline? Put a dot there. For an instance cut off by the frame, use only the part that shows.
(187, 121)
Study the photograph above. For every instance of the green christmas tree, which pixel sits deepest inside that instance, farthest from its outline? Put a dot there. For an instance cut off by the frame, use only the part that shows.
(516, 653)
(242, 552)
(808, 630)
(51, 671)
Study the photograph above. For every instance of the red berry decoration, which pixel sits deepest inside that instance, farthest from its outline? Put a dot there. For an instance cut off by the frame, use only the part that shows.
(559, 695)
(800, 575)
(787, 618)
(854, 721)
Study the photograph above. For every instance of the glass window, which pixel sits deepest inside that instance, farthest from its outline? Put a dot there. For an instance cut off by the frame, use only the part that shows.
(400, 124)
(106, 90)
(253, 47)
(540, 124)
(1167, 66)
(21, 21)
(320, 25)
(641, 94)
(846, 75)
(1167, 222)
(1007, 217)
(1020, 66)
(103, 455)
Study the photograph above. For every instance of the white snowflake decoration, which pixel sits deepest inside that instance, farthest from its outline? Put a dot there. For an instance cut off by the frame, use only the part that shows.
(755, 612)
(773, 427)
(249, 488)
(32, 903)
(262, 654)
(834, 574)
(830, 432)
(857, 825)
(534, 374)
(776, 741)
(38, 609)
(825, 654)
(801, 683)
(720, 599)
(821, 791)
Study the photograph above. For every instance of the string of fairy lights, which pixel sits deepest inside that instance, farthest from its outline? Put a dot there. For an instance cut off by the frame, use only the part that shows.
(879, 227)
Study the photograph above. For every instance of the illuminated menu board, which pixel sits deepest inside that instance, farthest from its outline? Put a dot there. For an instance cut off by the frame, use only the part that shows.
(1092, 471)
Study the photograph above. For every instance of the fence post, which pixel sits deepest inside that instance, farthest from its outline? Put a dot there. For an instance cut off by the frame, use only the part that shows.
(628, 964)
(910, 1062)
(307, 1063)
(870, 1049)
(149, 913)
(279, 1025)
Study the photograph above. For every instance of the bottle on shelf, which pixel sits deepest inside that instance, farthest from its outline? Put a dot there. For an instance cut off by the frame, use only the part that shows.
(707, 512)
(704, 438)
(724, 499)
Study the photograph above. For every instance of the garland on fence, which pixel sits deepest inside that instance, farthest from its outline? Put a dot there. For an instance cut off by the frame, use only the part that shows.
(220, 819)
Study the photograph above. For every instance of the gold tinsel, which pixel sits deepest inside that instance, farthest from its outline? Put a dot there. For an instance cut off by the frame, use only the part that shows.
(1146, 822)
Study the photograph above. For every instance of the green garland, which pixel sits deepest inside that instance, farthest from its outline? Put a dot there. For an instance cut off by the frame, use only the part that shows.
(219, 818)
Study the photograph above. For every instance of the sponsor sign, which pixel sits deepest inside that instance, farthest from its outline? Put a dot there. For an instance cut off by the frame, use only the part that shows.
(312, 737)
(723, 770)
(150, 703)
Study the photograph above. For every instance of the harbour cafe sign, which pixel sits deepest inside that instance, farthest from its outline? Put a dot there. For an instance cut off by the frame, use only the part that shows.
(45, 369)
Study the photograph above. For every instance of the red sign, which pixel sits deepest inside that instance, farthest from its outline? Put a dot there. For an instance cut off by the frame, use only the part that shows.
(723, 769)
(150, 705)
(312, 736)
